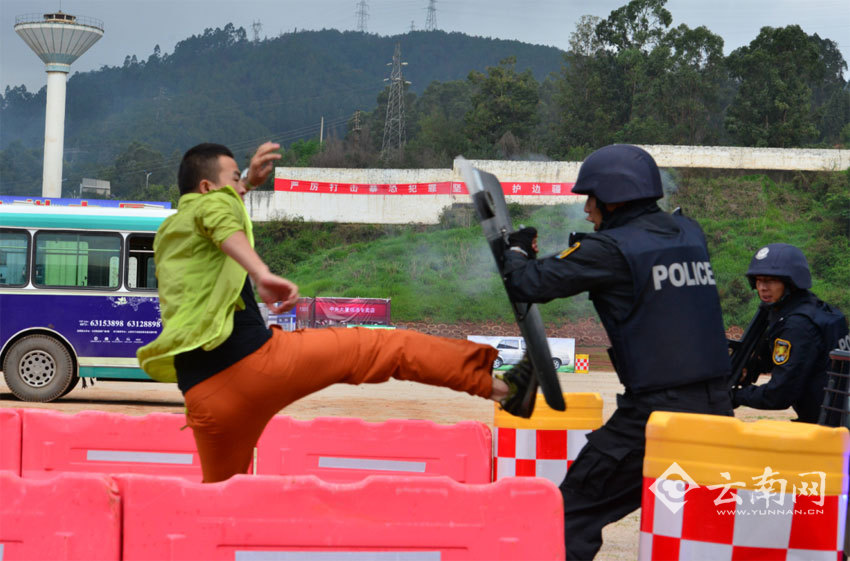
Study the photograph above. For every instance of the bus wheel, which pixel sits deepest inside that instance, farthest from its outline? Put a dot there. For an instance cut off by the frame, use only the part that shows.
(38, 368)
(75, 379)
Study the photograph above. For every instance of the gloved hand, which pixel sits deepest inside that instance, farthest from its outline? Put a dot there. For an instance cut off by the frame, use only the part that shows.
(733, 396)
(526, 240)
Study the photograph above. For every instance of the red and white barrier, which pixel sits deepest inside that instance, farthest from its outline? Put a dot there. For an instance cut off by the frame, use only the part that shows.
(345, 449)
(546, 444)
(718, 488)
(100, 442)
(537, 452)
(773, 526)
(10, 441)
(399, 518)
(69, 516)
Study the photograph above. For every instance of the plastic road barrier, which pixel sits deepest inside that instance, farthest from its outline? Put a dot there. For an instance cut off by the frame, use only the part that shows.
(10, 441)
(101, 442)
(718, 488)
(345, 449)
(382, 518)
(546, 444)
(69, 516)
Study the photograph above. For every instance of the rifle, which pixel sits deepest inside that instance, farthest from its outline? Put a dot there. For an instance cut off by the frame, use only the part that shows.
(744, 349)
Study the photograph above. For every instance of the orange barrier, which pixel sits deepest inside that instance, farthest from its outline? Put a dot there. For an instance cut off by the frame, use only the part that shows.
(69, 516)
(344, 449)
(10, 441)
(100, 442)
(252, 518)
(719, 488)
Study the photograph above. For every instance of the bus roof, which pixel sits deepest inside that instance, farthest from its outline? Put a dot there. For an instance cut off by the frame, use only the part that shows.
(83, 218)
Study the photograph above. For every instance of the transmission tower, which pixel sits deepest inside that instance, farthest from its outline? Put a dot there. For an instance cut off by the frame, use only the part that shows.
(431, 18)
(394, 137)
(256, 27)
(361, 15)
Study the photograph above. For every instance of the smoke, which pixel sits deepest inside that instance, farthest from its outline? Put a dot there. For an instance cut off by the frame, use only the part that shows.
(669, 186)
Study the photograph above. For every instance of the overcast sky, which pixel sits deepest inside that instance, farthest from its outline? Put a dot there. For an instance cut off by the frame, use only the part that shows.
(135, 26)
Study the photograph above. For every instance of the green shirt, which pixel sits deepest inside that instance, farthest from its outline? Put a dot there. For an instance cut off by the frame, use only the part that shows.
(199, 284)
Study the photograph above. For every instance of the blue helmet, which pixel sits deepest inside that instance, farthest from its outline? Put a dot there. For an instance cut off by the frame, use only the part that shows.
(783, 261)
(619, 173)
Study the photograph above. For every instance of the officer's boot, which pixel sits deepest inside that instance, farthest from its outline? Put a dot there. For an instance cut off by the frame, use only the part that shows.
(522, 394)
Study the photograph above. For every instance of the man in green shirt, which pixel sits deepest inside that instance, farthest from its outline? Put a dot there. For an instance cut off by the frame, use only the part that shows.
(236, 373)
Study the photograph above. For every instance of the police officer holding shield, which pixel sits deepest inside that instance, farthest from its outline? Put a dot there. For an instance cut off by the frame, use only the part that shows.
(649, 277)
(801, 332)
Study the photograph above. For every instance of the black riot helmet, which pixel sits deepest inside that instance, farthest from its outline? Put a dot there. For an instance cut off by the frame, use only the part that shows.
(619, 173)
(783, 261)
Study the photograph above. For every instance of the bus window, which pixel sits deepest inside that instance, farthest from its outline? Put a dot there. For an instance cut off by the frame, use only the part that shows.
(71, 259)
(140, 265)
(14, 248)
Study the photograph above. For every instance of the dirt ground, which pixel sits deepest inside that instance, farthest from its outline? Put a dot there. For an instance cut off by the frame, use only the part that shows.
(379, 402)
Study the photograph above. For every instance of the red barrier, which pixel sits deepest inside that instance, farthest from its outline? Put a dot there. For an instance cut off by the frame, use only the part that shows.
(100, 442)
(69, 516)
(10, 441)
(399, 518)
(343, 450)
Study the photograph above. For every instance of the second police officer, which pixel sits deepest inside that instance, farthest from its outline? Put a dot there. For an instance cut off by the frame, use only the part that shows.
(648, 275)
(801, 332)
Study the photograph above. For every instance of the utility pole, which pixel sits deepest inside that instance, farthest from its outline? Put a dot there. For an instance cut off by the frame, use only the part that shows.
(256, 27)
(431, 18)
(394, 137)
(361, 15)
(412, 26)
(321, 130)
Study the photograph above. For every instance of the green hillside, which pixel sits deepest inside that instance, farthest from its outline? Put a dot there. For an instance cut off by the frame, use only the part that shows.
(445, 273)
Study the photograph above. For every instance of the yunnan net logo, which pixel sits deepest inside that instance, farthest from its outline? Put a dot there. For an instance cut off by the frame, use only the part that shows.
(672, 486)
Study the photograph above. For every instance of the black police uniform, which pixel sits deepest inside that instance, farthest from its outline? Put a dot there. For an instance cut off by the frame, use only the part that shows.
(648, 276)
(801, 332)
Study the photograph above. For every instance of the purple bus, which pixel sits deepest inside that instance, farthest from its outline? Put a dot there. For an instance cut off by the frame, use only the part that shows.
(77, 295)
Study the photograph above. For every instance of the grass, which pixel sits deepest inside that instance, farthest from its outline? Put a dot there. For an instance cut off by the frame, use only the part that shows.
(445, 273)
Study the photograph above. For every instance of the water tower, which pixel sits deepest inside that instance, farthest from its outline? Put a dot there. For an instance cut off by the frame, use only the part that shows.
(58, 39)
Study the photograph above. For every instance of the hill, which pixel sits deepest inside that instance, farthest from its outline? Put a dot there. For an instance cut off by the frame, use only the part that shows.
(220, 87)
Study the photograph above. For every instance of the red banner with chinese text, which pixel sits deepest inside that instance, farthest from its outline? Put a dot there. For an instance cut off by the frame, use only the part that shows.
(346, 311)
(437, 188)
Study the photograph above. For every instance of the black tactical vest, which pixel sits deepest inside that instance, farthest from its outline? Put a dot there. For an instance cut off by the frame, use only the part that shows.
(674, 333)
(830, 322)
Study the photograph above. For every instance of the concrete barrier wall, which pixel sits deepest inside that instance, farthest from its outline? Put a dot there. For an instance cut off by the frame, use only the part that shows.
(426, 209)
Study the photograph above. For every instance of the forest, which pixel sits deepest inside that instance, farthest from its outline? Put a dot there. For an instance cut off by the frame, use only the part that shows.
(634, 76)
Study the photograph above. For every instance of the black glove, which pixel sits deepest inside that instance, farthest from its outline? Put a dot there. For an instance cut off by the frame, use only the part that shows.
(733, 396)
(526, 240)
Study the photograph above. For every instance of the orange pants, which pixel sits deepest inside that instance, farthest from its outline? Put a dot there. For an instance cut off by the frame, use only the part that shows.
(229, 411)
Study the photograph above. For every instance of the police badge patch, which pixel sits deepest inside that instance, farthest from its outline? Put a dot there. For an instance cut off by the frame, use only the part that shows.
(781, 351)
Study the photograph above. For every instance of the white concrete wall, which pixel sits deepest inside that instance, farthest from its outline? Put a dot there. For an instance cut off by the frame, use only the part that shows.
(426, 209)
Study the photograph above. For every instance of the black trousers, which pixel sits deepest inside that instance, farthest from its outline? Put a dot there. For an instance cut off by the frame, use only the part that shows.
(604, 483)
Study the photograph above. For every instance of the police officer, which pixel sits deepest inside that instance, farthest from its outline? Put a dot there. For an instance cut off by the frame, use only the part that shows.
(801, 332)
(649, 277)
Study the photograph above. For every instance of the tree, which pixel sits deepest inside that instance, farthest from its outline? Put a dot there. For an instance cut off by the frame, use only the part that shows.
(139, 166)
(586, 89)
(439, 113)
(689, 88)
(773, 106)
(503, 101)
